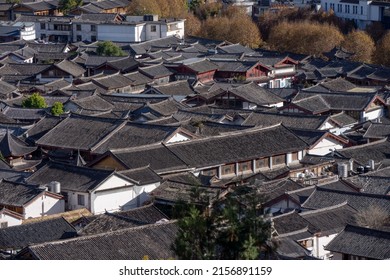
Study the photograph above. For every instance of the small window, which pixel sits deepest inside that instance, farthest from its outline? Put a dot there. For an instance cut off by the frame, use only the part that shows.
(93, 27)
(245, 166)
(78, 38)
(43, 26)
(228, 169)
(262, 163)
(153, 28)
(3, 224)
(278, 160)
(294, 156)
(80, 199)
(210, 172)
(93, 38)
(78, 27)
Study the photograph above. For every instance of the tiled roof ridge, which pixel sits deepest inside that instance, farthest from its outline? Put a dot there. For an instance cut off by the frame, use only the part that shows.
(105, 234)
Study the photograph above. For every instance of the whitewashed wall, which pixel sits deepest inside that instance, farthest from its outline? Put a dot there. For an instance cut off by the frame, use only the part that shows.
(44, 205)
(324, 147)
(12, 221)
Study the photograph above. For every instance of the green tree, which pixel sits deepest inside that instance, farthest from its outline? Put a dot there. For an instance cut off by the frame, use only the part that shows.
(65, 6)
(34, 101)
(194, 240)
(361, 44)
(108, 48)
(233, 229)
(57, 109)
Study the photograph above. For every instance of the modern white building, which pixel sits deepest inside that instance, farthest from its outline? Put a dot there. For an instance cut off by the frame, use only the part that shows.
(104, 27)
(363, 12)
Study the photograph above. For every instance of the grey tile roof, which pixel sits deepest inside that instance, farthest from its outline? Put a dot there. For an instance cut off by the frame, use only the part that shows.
(200, 65)
(134, 135)
(338, 85)
(173, 192)
(138, 78)
(342, 119)
(275, 189)
(18, 237)
(330, 220)
(70, 67)
(236, 146)
(109, 222)
(174, 88)
(155, 71)
(289, 222)
(288, 248)
(158, 157)
(11, 146)
(143, 175)
(17, 194)
(376, 182)
(256, 94)
(166, 107)
(25, 69)
(322, 198)
(377, 130)
(98, 17)
(377, 151)
(41, 128)
(111, 82)
(78, 132)
(71, 177)
(93, 102)
(235, 48)
(144, 47)
(288, 120)
(334, 101)
(361, 72)
(23, 114)
(363, 242)
(154, 241)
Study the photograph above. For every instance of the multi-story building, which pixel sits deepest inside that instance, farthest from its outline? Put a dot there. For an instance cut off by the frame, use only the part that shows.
(104, 27)
(363, 12)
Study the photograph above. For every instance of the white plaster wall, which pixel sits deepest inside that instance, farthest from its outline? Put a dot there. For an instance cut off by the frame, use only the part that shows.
(320, 243)
(178, 137)
(141, 195)
(12, 221)
(373, 114)
(282, 205)
(149, 35)
(111, 200)
(45, 205)
(116, 33)
(73, 201)
(324, 147)
(113, 182)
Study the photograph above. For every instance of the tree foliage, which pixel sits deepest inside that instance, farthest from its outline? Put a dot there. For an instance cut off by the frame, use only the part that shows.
(108, 48)
(361, 44)
(382, 52)
(232, 25)
(34, 101)
(373, 217)
(57, 109)
(193, 25)
(306, 37)
(163, 8)
(270, 19)
(66, 6)
(232, 230)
